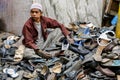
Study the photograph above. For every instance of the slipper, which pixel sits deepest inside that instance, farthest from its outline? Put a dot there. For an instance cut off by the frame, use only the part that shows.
(11, 72)
(19, 53)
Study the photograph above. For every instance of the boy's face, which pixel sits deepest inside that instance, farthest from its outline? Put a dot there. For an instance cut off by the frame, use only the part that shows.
(35, 14)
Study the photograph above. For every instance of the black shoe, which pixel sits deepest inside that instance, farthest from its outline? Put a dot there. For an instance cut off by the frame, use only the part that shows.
(80, 50)
(27, 66)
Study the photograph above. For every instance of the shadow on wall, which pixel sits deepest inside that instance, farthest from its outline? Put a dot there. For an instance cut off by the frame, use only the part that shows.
(2, 25)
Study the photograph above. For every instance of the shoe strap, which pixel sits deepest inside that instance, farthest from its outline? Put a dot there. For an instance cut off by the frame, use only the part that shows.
(98, 41)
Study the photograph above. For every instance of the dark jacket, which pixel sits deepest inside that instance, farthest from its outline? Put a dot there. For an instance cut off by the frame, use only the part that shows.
(30, 32)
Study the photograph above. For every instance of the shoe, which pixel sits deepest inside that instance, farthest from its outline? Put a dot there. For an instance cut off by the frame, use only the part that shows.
(58, 53)
(116, 49)
(97, 74)
(19, 53)
(80, 50)
(52, 61)
(64, 60)
(107, 35)
(105, 71)
(73, 27)
(65, 45)
(112, 63)
(71, 61)
(90, 44)
(3, 76)
(52, 49)
(33, 62)
(43, 54)
(62, 78)
(73, 70)
(105, 60)
(118, 77)
(91, 64)
(71, 74)
(87, 43)
(97, 57)
(111, 56)
(28, 75)
(101, 45)
(87, 58)
(109, 47)
(3, 51)
(27, 66)
(57, 68)
(7, 59)
(44, 70)
(11, 51)
(87, 36)
(52, 76)
(80, 75)
(20, 75)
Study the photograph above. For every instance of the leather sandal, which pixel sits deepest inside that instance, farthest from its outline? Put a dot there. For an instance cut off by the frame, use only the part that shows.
(19, 53)
(97, 56)
(104, 39)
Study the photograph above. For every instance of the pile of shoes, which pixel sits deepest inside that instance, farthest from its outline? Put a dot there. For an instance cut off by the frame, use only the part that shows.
(93, 56)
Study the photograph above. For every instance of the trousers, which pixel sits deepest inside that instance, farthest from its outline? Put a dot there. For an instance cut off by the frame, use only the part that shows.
(52, 38)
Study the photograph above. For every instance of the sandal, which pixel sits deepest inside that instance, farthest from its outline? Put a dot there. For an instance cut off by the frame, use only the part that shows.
(97, 56)
(103, 40)
(19, 53)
